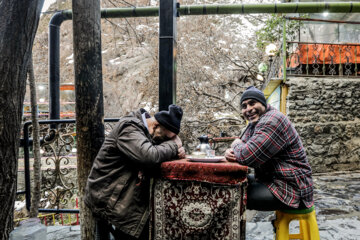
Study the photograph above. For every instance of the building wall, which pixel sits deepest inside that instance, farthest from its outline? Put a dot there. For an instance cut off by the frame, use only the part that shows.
(326, 114)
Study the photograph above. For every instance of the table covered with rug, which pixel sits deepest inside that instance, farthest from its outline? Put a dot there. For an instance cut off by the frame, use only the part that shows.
(196, 200)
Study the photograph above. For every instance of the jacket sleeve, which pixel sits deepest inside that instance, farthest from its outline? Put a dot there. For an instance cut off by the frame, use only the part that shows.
(268, 139)
(133, 143)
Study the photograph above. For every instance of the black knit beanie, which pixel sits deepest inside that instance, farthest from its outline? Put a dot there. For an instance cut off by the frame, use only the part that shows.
(254, 93)
(170, 119)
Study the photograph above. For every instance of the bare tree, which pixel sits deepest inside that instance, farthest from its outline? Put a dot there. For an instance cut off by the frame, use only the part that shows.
(217, 59)
(18, 24)
(36, 190)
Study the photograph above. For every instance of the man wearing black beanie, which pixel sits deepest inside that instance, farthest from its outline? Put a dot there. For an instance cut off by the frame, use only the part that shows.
(272, 146)
(117, 189)
(254, 93)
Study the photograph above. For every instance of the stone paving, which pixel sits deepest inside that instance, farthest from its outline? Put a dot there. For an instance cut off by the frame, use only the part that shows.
(337, 203)
(63, 233)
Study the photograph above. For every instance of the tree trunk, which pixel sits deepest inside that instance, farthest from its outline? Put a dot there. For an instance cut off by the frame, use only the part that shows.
(36, 190)
(18, 24)
(89, 97)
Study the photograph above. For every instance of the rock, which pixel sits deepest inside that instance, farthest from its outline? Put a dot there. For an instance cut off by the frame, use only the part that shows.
(318, 129)
(334, 149)
(348, 102)
(317, 150)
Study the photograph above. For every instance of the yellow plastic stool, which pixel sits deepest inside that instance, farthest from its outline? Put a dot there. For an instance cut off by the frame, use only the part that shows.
(307, 220)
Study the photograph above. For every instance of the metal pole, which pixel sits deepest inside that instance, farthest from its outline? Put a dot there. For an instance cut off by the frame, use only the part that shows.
(54, 62)
(284, 50)
(27, 165)
(188, 10)
(167, 54)
(321, 20)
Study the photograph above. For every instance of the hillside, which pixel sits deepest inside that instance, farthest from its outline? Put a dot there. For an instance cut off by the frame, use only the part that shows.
(216, 61)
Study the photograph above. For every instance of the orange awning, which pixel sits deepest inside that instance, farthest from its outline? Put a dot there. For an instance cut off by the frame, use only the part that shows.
(328, 53)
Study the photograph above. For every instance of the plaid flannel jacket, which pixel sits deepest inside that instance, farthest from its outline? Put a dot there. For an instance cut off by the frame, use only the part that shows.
(273, 147)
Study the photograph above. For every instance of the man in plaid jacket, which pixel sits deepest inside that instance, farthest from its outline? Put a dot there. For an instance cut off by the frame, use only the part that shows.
(272, 146)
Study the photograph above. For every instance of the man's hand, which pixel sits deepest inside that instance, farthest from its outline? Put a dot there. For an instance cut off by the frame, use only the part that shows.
(181, 153)
(177, 140)
(229, 155)
(235, 142)
(181, 150)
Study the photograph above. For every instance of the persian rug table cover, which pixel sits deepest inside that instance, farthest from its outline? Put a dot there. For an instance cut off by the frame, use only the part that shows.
(196, 200)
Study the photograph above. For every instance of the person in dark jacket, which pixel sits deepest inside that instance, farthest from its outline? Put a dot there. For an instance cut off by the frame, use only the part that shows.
(272, 146)
(118, 187)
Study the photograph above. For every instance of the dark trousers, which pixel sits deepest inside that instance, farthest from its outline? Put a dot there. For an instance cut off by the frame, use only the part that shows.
(104, 229)
(260, 198)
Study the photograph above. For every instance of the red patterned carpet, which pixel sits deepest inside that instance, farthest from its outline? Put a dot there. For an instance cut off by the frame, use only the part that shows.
(200, 205)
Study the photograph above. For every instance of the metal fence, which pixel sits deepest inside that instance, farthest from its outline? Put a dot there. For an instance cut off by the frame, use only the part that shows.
(322, 59)
(59, 162)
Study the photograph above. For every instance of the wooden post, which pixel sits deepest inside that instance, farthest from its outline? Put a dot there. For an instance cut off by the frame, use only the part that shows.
(89, 97)
(284, 93)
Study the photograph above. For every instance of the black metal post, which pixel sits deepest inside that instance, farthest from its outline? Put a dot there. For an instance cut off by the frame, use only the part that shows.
(167, 53)
(27, 165)
(54, 63)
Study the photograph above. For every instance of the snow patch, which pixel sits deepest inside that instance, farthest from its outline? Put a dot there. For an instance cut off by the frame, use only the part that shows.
(147, 106)
(47, 4)
(207, 67)
(19, 205)
(114, 61)
(219, 115)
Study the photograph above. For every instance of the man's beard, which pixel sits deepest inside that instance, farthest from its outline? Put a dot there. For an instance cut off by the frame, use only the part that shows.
(254, 112)
(159, 138)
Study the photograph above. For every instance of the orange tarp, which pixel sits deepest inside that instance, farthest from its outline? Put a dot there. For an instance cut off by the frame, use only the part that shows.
(324, 53)
(67, 87)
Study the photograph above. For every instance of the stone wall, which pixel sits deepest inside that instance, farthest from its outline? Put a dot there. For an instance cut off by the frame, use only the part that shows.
(326, 113)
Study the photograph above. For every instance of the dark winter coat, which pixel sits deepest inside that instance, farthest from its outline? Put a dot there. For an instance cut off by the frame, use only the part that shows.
(118, 185)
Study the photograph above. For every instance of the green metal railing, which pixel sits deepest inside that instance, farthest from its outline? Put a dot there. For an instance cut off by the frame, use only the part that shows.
(187, 10)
